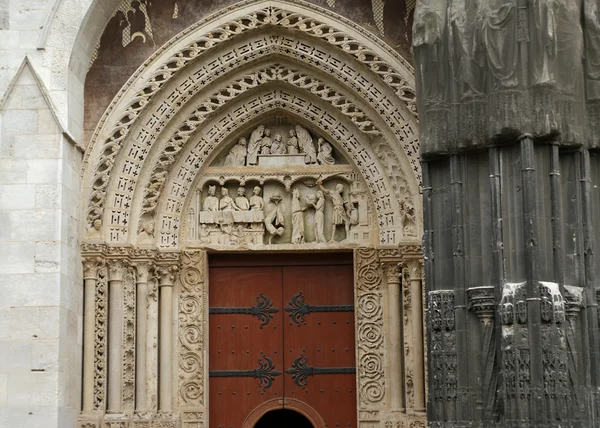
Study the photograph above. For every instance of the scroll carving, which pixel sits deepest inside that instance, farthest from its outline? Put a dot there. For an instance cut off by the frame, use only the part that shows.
(129, 290)
(100, 339)
(192, 312)
(370, 328)
(443, 378)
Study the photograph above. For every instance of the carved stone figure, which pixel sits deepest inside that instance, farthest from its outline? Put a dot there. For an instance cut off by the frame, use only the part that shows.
(237, 154)
(592, 47)
(266, 143)
(340, 215)
(307, 145)
(257, 203)
(274, 220)
(319, 206)
(211, 202)
(499, 30)
(428, 30)
(407, 215)
(544, 42)
(297, 218)
(292, 143)
(241, 201)
(325, 156)
(226, 203)
(278, 146)
(254, 145)
(146, 236)
(95, 231)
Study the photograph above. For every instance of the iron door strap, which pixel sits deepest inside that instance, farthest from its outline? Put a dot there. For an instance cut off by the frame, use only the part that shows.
(299, 308)
(263, 310)
(300, 371)
(264, 373)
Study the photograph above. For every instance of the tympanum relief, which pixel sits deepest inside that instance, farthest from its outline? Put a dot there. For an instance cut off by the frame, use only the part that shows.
(290, 187)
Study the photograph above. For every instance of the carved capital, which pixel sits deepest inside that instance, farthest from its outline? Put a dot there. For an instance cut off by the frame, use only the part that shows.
(482, 302)
(391, 270)
(415, 269)
(573, 301)
(142, 269)
(116, 270)
(166, 275)
(91, 266)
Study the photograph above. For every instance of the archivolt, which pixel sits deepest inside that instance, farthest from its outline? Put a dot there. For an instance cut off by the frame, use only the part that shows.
(144, 89)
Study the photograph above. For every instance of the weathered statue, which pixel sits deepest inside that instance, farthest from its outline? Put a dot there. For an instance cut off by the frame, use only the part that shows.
(257, 203)
(340, 215)
(428, 32)
(226, 203)
(211, 202)
(292, 143)
(307, 145)
(407, 215)
(325, 156)
(241, 201)
(278, 146)
(94, 232)
(500, 35)
(146, 237)
(237, 154)
(319, 206)
(227, 206)
(297, 218)
(274, 220)
(254, 145)
(569, 46)
(592, 47)
(266, 143)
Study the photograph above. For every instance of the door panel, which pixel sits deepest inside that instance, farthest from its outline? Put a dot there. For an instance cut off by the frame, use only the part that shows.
(297, 337)
(321, 339)
(243, 342)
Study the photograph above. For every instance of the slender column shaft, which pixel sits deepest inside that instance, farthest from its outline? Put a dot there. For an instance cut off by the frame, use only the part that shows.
(141, 401)
(395, 336)
(115, 337)
(90, 273)
(417, 332)
(165, 340)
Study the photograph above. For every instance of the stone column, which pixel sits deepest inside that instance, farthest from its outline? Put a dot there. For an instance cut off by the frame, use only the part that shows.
(116, 272)
(90, 276)
(141, 393)
(165, 340)
(392, 273)
(416, 293)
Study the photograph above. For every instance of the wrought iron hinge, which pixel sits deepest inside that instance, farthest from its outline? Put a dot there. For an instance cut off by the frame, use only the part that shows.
(298, 308)
(264, 310)
(264, 373)
(300, 371)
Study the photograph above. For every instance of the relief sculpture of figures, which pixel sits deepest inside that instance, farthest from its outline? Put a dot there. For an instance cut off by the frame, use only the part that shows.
(319, 225)
(211, 202)
(292, 143)
(146, 237)
(95, 231)
(274, 220)
(428, 30)
(266, 143)
(407, 214)
(237, 154)
(500, 21)
(254, 145)
(592, 47)
(257, 203)
(544, 40)
(297, 218)
(325, 156)
(307, 145)
(241, 201)
(341, 212)
(278, 146)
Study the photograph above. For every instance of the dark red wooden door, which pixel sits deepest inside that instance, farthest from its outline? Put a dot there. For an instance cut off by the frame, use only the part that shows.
(281, 328)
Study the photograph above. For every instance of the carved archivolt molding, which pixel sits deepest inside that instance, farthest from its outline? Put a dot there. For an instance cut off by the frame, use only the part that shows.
(269, 16)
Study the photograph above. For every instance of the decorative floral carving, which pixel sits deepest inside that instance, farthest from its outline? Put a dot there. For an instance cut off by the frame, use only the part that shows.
(369, 327)
(129, 290)
(100, 340)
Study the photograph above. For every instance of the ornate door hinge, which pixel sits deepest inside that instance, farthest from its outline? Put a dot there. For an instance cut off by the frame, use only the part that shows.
(264, 310)
(264, 373)
(298, 308)
(300, 371)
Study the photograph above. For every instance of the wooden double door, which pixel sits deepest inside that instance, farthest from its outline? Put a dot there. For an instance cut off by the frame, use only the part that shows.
(282, 335)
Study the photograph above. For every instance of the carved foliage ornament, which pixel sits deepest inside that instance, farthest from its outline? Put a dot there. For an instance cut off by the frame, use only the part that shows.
(263, 17)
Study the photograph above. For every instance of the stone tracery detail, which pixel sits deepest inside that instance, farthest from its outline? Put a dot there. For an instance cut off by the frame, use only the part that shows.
(100, 338)
(129, 287)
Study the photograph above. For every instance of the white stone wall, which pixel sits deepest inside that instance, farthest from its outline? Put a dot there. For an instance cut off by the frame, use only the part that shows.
(40, 274)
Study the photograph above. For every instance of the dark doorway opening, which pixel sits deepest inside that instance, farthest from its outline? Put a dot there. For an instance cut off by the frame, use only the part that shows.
(283, 418)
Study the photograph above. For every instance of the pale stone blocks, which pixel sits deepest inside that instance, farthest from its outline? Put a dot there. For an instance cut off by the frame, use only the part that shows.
(18, 196)
(19, 122)
(17, 257)
(30, 225)
(32, 389)
(30, 290)
(4, 15)
(48, 196)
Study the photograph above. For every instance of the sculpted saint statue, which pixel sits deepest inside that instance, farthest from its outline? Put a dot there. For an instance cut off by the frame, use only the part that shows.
(319, 206)
(501, 43)
(211, 202)
(241, 201)
(292, 143)
(146, 237)
(237, 154)
(592, 47)
(307, 145)
(226, 203)
(325, 156)
(94, 232)
(340, 215)
(257, 203)
(266, 143)
(297, 218)
(278, 147)
(254, 145)
(274, 220)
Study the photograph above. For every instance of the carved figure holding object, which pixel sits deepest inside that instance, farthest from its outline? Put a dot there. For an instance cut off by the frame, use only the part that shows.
(341, 209)
(307, 145)
(325, 156)
(297, 218)
(211, 202)
(319, 206)
(274, 221)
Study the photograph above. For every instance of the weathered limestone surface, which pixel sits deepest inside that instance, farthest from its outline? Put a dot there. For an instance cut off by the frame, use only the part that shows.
(508, 107)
